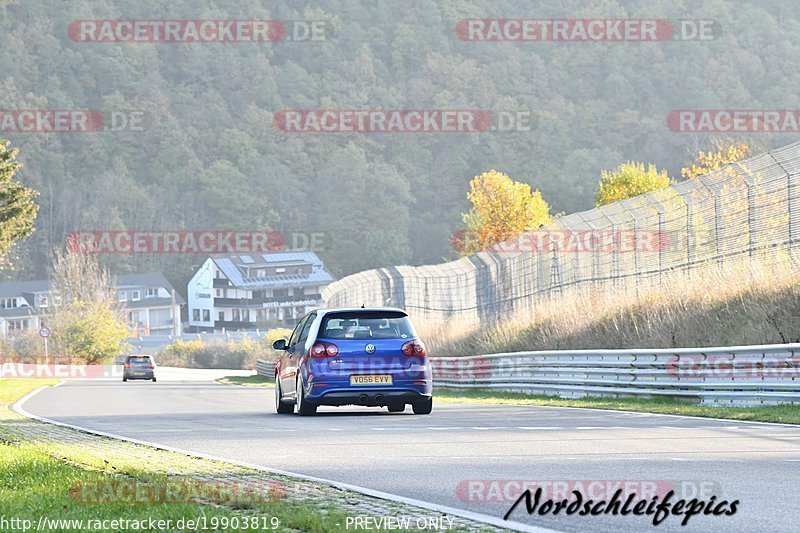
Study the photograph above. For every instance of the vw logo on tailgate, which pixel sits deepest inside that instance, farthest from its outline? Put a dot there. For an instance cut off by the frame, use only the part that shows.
(370, 348)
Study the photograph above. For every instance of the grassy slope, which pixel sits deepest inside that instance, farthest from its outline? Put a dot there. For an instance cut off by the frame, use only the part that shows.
(729, 307)
(758, 304)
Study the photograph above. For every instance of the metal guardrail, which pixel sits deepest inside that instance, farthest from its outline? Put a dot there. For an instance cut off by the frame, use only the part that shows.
(765, 374)
(741, 374)
(265, 368)
(749, 375)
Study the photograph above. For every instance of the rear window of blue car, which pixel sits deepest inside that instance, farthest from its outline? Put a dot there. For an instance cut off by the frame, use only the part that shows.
(366, 325)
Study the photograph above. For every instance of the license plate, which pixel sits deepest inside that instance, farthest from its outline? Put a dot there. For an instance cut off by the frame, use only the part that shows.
(138, 373)
(371, 380)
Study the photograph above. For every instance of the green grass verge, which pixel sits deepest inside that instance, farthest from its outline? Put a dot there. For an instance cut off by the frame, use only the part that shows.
(247, 381)
(35, 482)
(787, 414)
(12, 390)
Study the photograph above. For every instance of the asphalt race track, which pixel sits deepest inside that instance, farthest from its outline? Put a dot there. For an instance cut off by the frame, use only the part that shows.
(451, 456)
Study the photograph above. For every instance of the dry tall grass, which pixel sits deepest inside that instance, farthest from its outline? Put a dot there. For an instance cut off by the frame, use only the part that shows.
(756, 301)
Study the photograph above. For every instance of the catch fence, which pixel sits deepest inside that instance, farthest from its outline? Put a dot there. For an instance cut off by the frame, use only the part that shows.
(747, 209)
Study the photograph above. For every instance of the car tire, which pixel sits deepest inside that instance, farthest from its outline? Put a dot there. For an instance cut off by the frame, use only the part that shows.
(423, 408)
(303, 407)
(124, 379)
(397, 407)
(281, 407)
(154, 380)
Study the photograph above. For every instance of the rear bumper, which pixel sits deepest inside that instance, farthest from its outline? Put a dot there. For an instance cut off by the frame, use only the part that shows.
(138, 374)
(352, 395)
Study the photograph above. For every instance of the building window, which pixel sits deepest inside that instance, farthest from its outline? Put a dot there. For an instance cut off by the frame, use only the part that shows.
(280, 293)
(196, 315)
(245, 315)
(206, 315)
(221, 316)
(9, 303)
(151, 293)
(280, 270)
(236, 315)
(136, 296)
(218, 293)
(18, 325)
(43, 300)
(122, 296)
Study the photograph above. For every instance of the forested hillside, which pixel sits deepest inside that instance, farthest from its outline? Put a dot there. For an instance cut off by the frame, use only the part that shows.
(210, 156)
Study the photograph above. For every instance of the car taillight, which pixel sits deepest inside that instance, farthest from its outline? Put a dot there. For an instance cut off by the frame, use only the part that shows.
(323, 349)
(414, 348)
(150, 366)
(127, 365)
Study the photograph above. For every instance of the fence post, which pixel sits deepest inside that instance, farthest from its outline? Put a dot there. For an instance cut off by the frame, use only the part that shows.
(717, 229)
(751, 215)
(690, 236)
(555, 271)
(615, 252)
(637, 259)
(791, 190)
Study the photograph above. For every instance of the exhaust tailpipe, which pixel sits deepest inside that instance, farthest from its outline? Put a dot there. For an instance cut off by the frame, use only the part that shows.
(379, 399)
(363, 399)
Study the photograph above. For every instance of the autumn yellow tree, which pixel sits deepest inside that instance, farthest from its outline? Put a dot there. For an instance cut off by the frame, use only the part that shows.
(710, 161)
(88, 323)
(628, 180)
(501, 208)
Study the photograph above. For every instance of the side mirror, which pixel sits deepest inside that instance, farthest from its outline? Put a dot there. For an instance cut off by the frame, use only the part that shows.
(279, 344)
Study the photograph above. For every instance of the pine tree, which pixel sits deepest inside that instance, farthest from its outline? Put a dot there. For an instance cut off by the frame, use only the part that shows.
(17, 208)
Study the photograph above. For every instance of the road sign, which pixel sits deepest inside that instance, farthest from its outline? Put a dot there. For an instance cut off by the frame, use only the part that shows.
(44, 331)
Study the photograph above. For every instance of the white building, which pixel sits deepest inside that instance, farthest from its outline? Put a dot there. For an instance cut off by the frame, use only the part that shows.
(153, 306)
(147, 298)
(249, 291)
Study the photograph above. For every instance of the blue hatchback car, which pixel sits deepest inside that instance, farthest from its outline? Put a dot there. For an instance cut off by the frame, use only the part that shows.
(369, 357)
